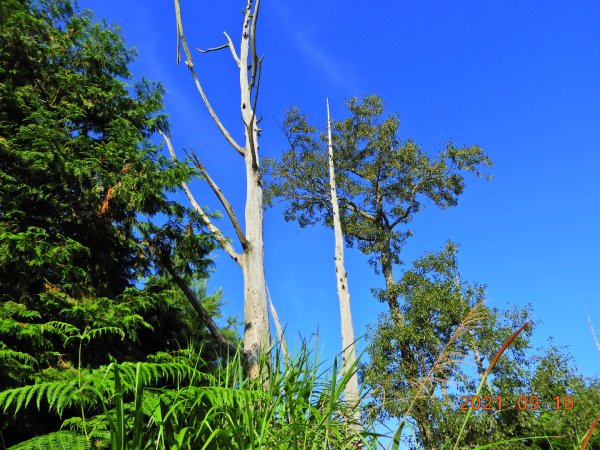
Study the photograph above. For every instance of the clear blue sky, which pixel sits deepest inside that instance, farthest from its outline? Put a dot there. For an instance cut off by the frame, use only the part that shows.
(520, 79)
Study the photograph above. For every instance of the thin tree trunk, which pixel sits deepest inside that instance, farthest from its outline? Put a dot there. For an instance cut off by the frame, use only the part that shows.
(348, 344)
(390, 296)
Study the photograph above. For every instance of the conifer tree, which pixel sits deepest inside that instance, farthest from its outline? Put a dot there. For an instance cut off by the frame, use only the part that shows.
(88, 234)
(80, 187)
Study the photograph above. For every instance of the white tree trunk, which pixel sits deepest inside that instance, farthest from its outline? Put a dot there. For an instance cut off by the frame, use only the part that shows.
(256, 336)
(251, 259)
(351, 395)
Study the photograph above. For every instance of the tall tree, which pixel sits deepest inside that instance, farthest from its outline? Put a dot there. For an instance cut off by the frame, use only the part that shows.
(80, 188)
(382, 182)
(251, 258)
(455, 337)
(351, 394)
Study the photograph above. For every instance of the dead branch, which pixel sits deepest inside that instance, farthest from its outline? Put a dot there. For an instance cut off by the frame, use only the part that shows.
(254, 58)
(202, 313)
(222, 198)
(232, 48)
(280, 336)
(212, 49)
(221, 239)
(592, 330)
(190, 64)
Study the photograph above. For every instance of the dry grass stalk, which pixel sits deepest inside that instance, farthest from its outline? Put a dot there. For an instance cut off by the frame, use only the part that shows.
(589, 433)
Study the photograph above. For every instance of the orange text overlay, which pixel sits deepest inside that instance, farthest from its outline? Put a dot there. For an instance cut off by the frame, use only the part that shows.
(523, 403)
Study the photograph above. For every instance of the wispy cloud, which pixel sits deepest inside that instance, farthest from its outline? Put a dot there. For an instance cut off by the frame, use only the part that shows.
(338, 72)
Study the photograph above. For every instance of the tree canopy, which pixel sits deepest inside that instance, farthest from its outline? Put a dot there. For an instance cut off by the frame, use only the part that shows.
(451, 336)
(383, 181)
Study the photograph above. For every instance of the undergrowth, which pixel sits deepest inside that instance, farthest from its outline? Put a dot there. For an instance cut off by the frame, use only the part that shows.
(176, 401)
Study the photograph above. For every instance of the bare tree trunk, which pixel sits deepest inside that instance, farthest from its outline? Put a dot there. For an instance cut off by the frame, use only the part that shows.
(256, 333)
(256, 336)
(251, 259)
(348, 344)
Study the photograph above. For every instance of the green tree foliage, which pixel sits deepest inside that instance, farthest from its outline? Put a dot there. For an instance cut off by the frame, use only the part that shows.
(382, 181)
(436, 319)
(454, 337)
(86, 224)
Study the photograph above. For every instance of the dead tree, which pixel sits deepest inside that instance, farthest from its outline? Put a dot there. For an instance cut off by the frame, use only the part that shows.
(348, 343)
(251, 257)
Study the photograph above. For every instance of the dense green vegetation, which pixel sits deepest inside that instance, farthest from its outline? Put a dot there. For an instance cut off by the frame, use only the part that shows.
(446, 324)
(103, 307)
(84, 206)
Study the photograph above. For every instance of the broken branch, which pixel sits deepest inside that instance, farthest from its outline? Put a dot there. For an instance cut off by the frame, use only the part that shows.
(221, 239)
(222, 198)
(213, 49)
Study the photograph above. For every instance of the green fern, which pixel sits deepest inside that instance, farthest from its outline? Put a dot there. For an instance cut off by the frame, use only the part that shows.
(68, 331)
(61, 440)
(58, 394)
(96, 387)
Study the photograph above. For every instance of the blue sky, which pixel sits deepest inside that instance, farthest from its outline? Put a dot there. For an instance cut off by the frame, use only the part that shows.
(518, 79)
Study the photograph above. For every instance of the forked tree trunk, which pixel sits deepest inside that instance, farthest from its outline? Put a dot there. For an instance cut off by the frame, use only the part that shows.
(351, 395)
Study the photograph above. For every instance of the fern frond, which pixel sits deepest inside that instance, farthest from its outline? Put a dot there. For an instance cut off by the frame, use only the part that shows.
(98, 332)
(220, 397)
(155, 372)
(21, 396)
(61, 440)
(61, 328)
(59, 394)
